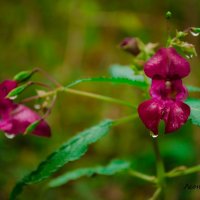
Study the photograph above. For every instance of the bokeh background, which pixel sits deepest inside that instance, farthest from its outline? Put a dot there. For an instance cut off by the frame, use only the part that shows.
(74, 39)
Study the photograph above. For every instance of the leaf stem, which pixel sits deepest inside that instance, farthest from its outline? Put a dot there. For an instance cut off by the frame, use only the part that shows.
(97, 96)
(83, 93)
(145, 177)
(156, 194)
(180, 171)
(50, 78)
(160, 169)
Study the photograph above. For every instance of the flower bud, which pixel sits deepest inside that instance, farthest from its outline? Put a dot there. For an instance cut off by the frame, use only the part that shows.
(23, 76)
(18, 90)
(130, 45)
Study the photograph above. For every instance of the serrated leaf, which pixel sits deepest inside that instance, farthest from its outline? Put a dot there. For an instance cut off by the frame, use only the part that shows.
(119, 75)
(126, 73)
(195, 110)
(70, 151)
(193, 88)
(112, 168)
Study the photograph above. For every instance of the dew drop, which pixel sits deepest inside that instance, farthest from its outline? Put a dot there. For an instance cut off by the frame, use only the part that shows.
(9, 136)
(195, 34)
(153, 135)
(13, 97)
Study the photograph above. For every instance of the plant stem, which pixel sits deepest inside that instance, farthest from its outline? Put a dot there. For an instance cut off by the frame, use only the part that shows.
(145, 177)
(97, 96)
(38, 69)
(160, 169)
(183, 171)
(82, 93)
(156, 194)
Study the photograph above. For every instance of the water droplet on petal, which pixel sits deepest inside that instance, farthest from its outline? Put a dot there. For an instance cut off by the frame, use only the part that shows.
(195, 34)
(153, 135)
(9, 136)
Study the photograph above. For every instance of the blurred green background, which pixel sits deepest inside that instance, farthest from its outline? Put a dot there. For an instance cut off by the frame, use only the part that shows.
(74, 39)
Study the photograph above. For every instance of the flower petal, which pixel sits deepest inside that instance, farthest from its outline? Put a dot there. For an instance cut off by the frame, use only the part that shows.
(161, 89)
(6, 86)
(20, 118)
(167, 64)
(175, 115)
(150, 112)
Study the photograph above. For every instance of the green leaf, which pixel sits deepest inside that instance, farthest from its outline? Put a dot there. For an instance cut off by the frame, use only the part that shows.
(70, 151)
(128, 74)
(119, 75)
(112, 168)
(193, 88)
(195, 110)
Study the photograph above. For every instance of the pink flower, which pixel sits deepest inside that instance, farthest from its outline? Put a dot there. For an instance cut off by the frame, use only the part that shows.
(166, 68)
(15, 118)
(167, 64)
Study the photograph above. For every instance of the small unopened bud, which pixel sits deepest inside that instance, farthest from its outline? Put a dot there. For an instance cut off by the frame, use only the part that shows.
(195, 31)
(130, 45)
(23, 76)
(18, 90)
(168, 15)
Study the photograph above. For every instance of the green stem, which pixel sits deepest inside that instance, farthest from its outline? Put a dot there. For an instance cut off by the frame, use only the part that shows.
(156, 194)
(160, 168)
(97, 96)
(145, 177)
(183, 171)
(82, 93)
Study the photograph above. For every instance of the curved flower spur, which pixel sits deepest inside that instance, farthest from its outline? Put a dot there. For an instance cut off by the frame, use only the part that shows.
(166, 69)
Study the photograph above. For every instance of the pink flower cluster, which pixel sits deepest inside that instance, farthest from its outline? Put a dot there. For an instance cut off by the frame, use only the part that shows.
(15, 118)
(166, 69)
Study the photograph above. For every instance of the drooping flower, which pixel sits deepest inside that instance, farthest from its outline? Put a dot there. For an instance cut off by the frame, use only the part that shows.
(15, 118)
(166, 69)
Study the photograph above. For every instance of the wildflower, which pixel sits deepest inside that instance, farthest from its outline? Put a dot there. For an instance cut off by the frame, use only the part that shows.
(15, 118)
(166, 69)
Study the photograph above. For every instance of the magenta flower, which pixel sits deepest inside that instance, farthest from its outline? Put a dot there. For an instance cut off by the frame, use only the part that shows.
(167, 64)
(166, 69)
(15, 118)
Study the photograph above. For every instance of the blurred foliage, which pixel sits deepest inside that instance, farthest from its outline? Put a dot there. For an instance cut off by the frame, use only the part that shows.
(74, 39)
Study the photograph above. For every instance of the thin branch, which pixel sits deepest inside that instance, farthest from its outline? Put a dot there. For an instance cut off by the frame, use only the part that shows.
(181, 171)
(142, 176)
